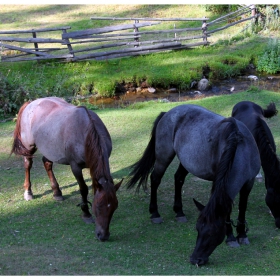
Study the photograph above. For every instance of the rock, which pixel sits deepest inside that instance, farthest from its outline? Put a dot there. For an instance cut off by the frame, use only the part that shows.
(193, 84)
(252, 77)
(197, 92)
(172, 90)
(151, 90)
(203, 84)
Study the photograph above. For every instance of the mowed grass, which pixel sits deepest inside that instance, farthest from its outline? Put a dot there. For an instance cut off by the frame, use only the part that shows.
(45, 237)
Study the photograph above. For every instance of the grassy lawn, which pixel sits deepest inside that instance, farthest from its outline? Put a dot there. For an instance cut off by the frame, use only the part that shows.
(44, 237)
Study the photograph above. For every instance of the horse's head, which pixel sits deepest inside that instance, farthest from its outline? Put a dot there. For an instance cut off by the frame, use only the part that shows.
(210, 235)
(105, 203)
(272, 200)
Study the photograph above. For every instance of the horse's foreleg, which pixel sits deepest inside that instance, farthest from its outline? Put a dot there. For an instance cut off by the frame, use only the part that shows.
(77, 171)
(179, 177)
(28, 195)
(241, 227)
(57, 194)
(231, 241)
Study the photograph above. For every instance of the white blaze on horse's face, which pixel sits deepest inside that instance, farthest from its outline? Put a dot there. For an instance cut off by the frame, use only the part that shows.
(104, 206)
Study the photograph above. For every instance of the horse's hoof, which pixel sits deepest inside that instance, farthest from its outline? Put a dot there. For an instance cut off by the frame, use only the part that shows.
(243, 240)
(88, 220)
(157, 220)
(233, 244)
(58, 198)
(181, 219)
(28, 196)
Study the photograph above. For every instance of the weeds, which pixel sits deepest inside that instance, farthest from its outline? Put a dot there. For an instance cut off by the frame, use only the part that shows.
(269, 61)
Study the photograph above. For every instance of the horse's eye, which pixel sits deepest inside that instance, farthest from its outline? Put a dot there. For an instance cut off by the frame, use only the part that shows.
(108, 205)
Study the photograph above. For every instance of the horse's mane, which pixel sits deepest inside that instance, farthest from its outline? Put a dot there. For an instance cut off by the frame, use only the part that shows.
(220, 204)
(18, 148)
(269, 159)
(94, 153)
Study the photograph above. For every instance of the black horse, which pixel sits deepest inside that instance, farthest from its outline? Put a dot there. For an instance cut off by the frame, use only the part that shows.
(253, 116)
(210, 147)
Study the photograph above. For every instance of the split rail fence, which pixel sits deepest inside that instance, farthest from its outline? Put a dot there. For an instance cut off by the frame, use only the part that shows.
(141, 37)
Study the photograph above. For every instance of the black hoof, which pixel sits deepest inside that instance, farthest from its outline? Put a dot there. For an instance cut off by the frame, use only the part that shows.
(243, 240)
(233, 244)
(157, 220)
(58, 198)
(88, 220)
(181, 219)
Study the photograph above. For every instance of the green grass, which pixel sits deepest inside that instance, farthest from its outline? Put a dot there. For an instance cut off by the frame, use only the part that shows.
(44, 237)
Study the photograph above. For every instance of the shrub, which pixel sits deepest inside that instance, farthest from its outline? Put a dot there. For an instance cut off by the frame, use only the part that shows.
(269, 61)
(11, 97)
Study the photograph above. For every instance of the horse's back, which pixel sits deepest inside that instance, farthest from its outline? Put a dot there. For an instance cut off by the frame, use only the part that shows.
(253, 116)
(192, 130)
(199, 139)
(57, 128)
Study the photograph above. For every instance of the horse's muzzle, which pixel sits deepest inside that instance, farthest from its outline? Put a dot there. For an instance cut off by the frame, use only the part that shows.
(102, 237)
(198, 261)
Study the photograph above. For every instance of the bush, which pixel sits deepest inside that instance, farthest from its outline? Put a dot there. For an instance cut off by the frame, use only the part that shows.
(269, 61)
(11, 97)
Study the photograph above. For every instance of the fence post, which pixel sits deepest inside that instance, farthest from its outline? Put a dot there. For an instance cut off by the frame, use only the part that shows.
(35, 44)
(204, 30)
(136, 30)
(70, 49)
(253, 13)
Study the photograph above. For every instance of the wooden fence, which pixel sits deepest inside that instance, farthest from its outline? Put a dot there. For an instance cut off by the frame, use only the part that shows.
(143, 36)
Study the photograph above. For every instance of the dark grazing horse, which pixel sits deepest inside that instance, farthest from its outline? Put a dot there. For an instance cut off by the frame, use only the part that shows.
(253, 116)
(70, 135)
(210, 147)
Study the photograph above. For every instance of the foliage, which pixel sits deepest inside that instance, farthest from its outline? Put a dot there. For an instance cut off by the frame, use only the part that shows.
(220, 9)
(272, 16)
(11, 97)
(269, 61)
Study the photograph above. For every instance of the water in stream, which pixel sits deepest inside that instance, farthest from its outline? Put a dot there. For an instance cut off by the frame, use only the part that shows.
(231, 86)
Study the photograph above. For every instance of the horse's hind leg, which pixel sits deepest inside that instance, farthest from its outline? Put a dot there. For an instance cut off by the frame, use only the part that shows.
(28, 195)
(241, 222)
(57, 194)
(77, 171)
(179, 177)
(156, 176)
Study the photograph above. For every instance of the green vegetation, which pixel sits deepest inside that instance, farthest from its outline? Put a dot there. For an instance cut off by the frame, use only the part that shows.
(269, 61)
(228, 56)
(45, 237)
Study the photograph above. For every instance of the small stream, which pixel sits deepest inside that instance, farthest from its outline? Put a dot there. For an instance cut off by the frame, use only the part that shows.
(230, 86)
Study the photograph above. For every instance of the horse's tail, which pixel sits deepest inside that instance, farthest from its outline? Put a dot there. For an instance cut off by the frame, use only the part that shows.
(144, 166)
(18, 148)
(270, 111)
(221, 201)
(266, 146)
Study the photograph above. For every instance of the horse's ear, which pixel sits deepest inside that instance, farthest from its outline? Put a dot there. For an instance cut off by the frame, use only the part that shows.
(117, 186)
(199, 206)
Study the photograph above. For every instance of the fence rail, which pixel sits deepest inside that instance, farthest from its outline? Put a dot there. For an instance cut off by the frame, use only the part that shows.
(118, 40)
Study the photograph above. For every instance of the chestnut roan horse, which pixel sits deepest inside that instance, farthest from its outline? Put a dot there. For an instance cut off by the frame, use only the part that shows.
(74, 136)
(253, 116)
(210, 147)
